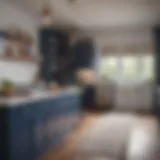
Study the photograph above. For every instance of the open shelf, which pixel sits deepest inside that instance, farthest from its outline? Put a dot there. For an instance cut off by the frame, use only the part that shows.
(20, 59)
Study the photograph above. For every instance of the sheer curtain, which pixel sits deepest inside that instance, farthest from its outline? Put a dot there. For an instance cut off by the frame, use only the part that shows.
(126, 80)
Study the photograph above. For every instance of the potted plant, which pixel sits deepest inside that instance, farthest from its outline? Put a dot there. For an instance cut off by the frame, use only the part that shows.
(7, 88)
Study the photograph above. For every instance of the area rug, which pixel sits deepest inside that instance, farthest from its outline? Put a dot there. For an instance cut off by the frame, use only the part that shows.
(107, 137)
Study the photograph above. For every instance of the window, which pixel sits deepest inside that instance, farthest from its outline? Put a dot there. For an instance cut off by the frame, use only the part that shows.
(127, 68)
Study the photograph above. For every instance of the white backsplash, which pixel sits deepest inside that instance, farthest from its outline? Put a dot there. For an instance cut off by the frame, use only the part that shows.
(21, 73)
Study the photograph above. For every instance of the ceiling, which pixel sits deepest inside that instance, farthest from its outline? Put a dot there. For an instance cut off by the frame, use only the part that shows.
(99, 14)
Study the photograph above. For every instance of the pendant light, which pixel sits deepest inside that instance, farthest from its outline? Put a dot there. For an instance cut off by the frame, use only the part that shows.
(72, 1)
(47, 14)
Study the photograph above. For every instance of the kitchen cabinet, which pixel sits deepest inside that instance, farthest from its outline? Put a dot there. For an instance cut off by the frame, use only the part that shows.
(28, 130)
(84, 54)
(89, 97)
(56, 57)
(156, 95)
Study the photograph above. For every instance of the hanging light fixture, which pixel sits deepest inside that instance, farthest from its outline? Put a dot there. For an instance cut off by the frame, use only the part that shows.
(47, 14)
(72, 1)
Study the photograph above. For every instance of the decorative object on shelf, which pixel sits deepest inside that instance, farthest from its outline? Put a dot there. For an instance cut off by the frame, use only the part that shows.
(53, 87)
(13, 41)
(7, 88)
(46, 14)
(8, 51)
(18, 44)
(26, 45)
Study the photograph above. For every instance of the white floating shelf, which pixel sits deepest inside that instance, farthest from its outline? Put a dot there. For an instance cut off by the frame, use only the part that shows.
(20, 59)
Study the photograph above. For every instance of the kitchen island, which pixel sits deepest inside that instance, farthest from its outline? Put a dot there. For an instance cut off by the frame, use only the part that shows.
(30, 126)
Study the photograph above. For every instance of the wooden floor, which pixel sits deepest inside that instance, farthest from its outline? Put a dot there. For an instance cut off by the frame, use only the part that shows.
(66, 151)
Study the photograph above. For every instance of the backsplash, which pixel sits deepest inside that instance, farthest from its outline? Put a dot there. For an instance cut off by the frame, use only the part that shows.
(21, 73)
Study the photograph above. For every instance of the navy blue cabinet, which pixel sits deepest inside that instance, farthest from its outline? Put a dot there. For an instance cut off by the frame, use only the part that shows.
(48, 44)
(157, 54)
(54, 48)
(157, 71)
(84, 54)
(30, 130)
(89, 97)
(20, 133)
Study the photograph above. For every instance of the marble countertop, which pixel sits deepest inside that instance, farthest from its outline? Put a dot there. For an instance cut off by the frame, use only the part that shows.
(36, 95)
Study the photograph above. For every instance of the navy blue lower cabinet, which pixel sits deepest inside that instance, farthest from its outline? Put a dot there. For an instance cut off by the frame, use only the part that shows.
(29, 130)
(88, 97)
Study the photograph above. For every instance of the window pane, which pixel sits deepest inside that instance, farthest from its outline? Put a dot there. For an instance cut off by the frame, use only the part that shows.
(103, 66)
(148, 68)
(108, 67)
(129, 66)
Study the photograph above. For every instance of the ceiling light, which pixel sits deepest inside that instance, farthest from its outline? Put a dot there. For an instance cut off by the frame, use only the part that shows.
(72, 1)
(47, 14)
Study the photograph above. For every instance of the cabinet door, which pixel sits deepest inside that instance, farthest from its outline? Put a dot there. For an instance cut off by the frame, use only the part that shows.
(72, 112)
(67, 109)
(3, 132)
(43, 110)
(20, 135)
(48, 48)
(39, 110)
(84, 54)
(157, 72)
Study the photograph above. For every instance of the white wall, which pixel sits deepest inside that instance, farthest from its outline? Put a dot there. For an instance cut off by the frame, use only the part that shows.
(20, 73)
(11, 14)
(134, 97)
(118, 38)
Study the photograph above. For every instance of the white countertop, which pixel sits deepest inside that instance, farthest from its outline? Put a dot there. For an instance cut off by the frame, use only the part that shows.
(35, 95)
